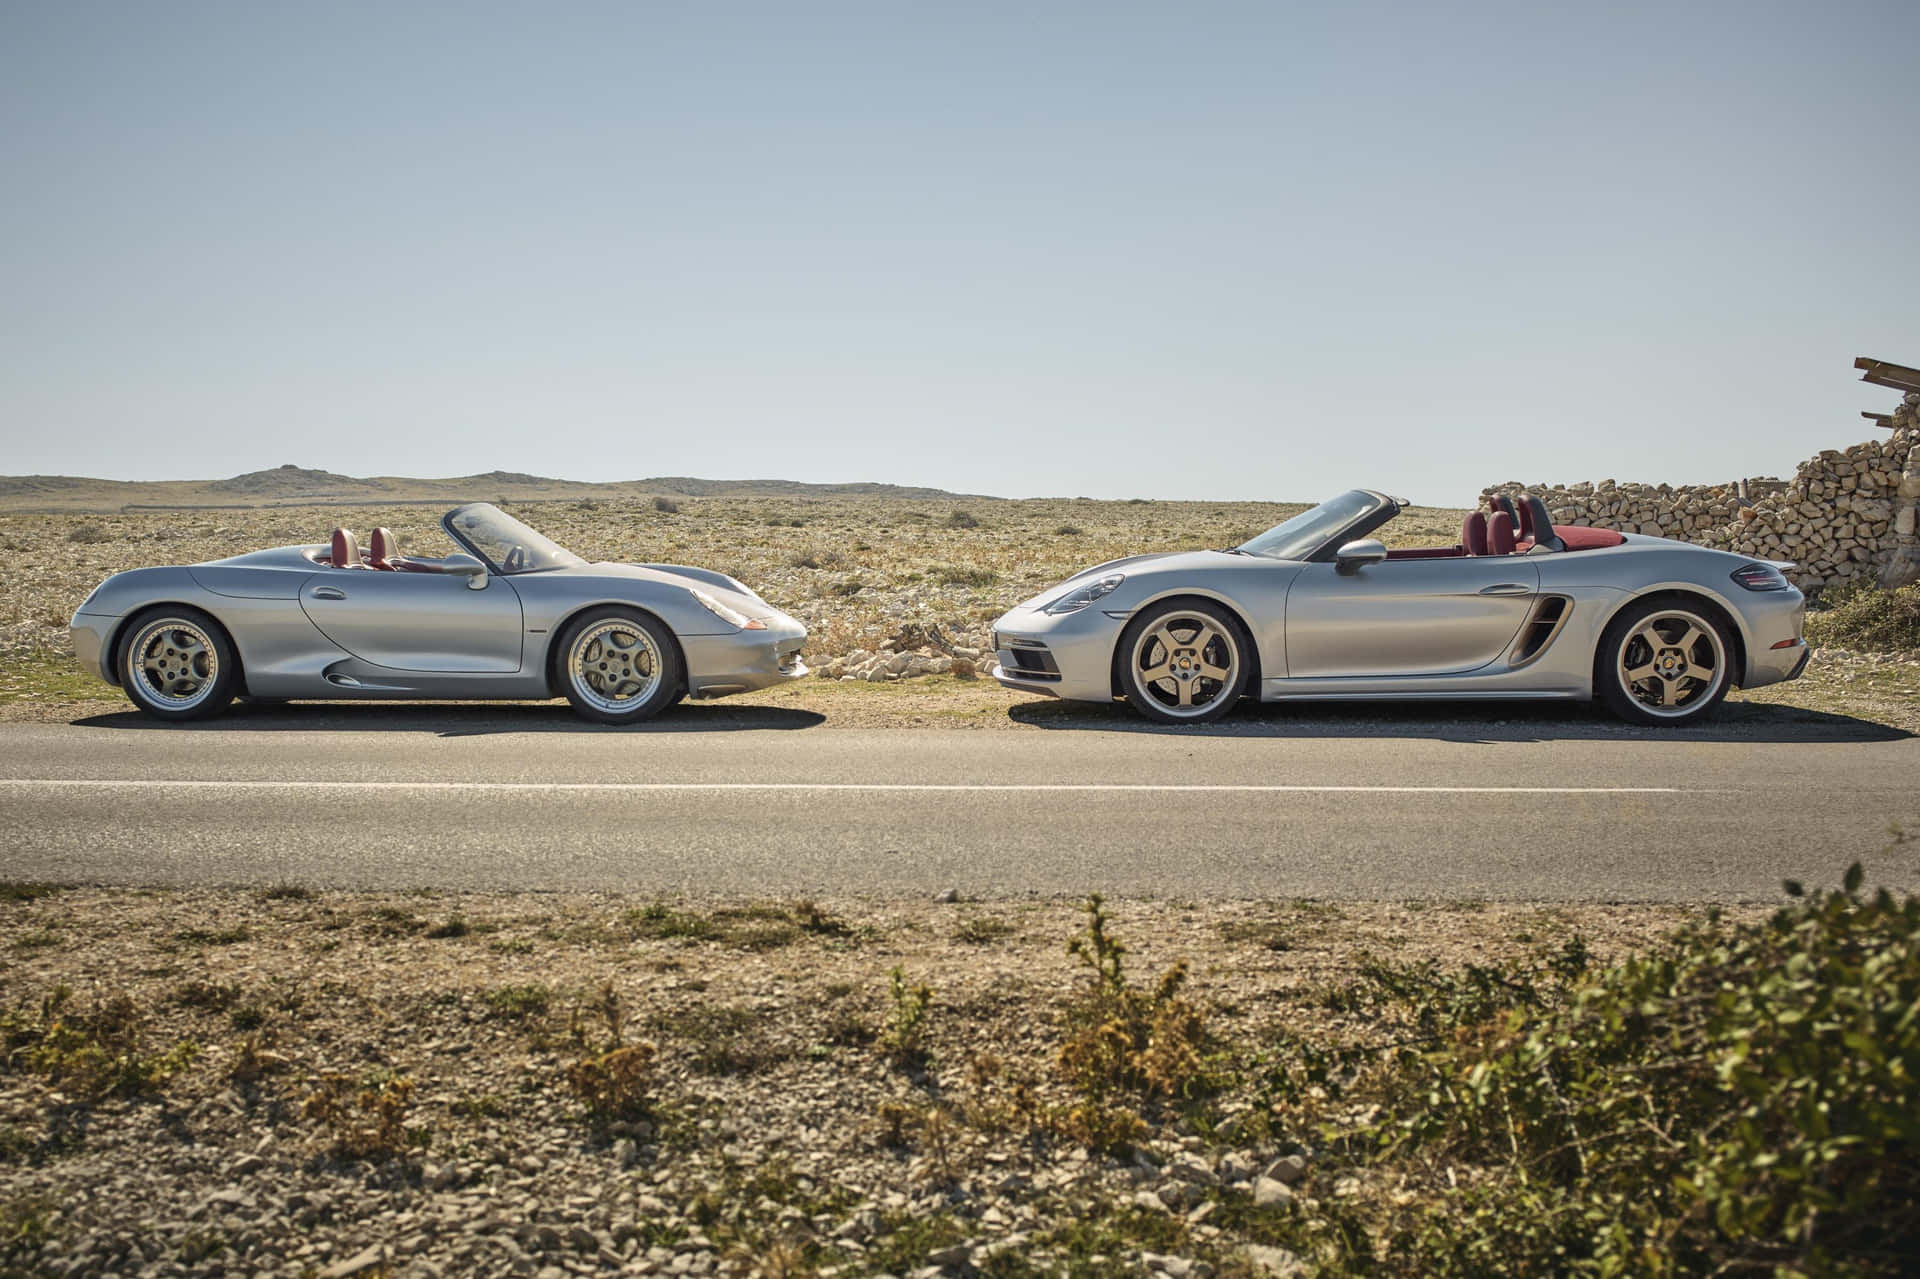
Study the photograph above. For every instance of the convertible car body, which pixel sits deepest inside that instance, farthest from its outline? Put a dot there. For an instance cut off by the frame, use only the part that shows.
(512, 615)
(1318, 609)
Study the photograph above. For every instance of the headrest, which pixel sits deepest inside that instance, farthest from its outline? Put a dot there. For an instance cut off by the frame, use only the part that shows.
(1473, 533)
(1499, 534)
(382, 548)
(346, 551)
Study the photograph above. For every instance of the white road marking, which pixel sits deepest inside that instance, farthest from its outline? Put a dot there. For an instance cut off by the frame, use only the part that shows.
(148, 783)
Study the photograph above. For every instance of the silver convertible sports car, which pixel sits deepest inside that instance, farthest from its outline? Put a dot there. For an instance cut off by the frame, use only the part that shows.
(1317, 608)
(513, 615)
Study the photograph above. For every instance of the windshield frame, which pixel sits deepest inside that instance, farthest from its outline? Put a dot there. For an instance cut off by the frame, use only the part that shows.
(551, 555)
(1376, 511)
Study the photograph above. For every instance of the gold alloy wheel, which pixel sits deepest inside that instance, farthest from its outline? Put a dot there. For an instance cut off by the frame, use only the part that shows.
(1672, 662)
(615, 666)
(175, 663)
(1187, 662)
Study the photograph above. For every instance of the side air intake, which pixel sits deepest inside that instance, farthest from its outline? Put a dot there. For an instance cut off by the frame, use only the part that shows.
(1549, 615)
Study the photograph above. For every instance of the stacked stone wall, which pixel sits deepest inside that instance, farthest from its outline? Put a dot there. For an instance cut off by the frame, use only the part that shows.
(1847, 515)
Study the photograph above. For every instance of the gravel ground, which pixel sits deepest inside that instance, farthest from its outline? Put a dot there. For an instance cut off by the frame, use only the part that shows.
(779, 1135)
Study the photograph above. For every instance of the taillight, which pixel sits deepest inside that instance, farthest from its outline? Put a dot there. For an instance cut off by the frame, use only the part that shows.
(1761, 577)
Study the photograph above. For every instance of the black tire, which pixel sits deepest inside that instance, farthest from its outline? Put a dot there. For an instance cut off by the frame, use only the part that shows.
(1682, 654)
(1206, 637)
(595, 679)
(177, 664)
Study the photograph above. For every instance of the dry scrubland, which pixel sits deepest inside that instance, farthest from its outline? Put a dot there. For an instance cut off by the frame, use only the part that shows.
(293, 1078)
(855, 570)
(295, 1083)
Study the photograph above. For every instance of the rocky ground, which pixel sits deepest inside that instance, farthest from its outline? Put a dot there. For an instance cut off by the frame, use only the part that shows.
(300, 1083)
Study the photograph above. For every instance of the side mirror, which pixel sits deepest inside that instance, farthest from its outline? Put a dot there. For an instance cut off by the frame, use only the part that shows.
(1351, 557)
(468, 567)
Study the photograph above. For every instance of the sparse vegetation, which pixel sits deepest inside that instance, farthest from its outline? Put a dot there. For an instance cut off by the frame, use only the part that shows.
(91, 1053)
(1868, 618)
(1460, 1088)
(365, 1118)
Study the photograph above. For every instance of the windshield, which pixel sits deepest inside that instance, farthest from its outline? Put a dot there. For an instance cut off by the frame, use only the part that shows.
(1308, 531)
(507, 545)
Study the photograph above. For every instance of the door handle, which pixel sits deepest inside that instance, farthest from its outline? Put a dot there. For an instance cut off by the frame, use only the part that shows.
(328, 593)
(1507, 588)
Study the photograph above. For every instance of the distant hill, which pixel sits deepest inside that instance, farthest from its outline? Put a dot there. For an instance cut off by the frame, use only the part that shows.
(302, 486)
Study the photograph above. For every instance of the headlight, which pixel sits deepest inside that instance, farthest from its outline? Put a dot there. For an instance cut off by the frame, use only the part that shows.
(731, 616)
(1081, 596)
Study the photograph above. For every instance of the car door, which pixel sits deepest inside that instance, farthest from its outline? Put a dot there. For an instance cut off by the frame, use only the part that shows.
(428, 622)
(1407, 617)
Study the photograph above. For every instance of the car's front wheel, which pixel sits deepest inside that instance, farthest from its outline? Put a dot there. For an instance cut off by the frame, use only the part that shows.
(618, 666)
(177, 664)
(1184, 662)
(1663, 662)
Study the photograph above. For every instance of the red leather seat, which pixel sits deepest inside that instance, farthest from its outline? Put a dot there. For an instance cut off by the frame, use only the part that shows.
(382, 550)
(1500, 539)
(1473, 533)
(346, 551)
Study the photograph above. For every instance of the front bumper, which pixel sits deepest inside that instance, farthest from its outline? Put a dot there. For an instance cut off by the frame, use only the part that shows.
(1069, 656)
(88, 634)
(720, 665)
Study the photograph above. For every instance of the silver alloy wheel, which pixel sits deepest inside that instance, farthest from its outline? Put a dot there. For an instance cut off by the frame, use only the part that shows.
(614, 666)
(1187, 662)
(1672, 662)
(175, 662)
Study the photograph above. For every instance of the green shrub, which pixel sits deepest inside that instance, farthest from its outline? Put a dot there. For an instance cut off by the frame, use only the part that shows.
(1122, 1039)
(906, 1032)
(1868, 618)
(1741, 1100)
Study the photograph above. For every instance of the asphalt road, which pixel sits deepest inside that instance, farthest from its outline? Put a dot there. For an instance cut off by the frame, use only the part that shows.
(487, 798)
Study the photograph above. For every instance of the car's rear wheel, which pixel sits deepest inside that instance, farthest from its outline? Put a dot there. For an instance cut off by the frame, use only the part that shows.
(618, 666)
(1663, 662)
(177, 664)
(1184, 663)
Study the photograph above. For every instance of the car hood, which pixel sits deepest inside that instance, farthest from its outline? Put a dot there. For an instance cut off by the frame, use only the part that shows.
(1152, 564)
(732, 593)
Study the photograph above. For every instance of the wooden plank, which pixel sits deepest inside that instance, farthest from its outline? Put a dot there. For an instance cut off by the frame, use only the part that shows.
(1888, 374)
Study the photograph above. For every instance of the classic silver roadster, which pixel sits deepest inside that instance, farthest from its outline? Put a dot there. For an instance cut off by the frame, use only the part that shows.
(512, 615)
(1317, 608)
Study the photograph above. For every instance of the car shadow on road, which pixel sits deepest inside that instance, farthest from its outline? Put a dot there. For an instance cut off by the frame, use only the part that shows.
(462, 720)
(1475, 722)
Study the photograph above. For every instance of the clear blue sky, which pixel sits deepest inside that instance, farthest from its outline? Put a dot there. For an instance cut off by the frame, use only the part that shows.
(1196, 250)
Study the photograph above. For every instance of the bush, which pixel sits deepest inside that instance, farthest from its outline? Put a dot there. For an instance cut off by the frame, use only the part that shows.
(366, 1119)
(963, 519)
(1741, 1100)
(955, 575)
(666, 506)
(1128, 1049)
(88, 535)
(1869, 618)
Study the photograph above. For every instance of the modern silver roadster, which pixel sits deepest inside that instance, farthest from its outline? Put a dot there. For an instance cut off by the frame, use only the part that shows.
(512, 615)
(1317, 608)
